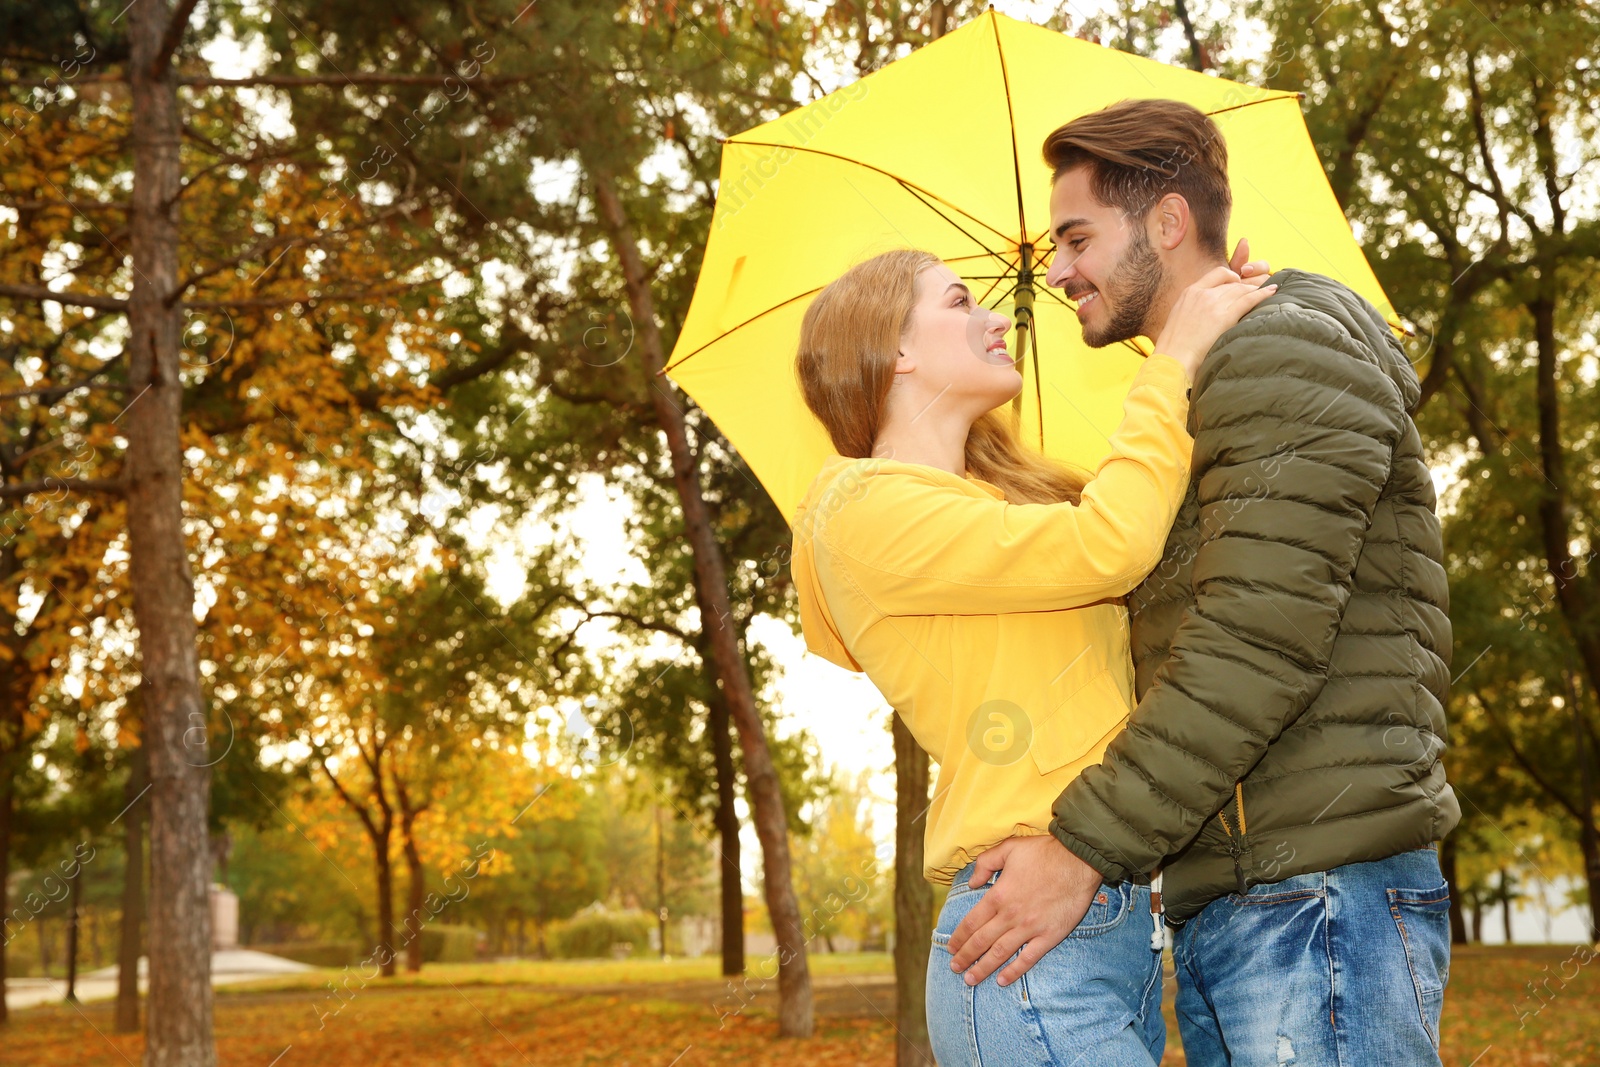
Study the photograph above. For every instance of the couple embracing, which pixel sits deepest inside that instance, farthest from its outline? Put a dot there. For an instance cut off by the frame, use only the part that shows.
(1199, 689)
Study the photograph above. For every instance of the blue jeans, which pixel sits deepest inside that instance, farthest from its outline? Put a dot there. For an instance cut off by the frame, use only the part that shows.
(1340, 968)
(1094, 1000)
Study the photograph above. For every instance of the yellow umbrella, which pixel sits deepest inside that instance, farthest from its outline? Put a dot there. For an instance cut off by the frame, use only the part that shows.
(941, 151)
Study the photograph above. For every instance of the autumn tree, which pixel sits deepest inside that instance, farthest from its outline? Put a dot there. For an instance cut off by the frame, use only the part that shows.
(131, 70)
(485, 209)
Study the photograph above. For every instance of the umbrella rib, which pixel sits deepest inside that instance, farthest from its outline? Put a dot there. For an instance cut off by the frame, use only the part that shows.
(997, 279)
(908, 185)
(801, 296)
(984, 299)
(1252, 103)
(1051, 293)
(919, 194)
(726, 333)
(1016, 159)
(978, 255)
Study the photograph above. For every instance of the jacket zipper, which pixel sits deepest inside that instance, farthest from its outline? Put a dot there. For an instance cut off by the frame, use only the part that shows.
(1236, 843)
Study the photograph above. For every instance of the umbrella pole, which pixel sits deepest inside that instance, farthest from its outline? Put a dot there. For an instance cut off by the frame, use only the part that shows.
(1027, 335)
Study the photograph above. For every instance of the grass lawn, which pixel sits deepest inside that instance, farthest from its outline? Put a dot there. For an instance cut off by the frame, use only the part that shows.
(646, 1012)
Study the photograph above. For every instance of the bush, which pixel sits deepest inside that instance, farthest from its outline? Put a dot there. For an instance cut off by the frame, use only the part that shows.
(317, 953)
(591, 934)
(443, 943)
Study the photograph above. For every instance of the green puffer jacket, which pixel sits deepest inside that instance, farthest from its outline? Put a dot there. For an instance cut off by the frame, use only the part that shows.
(1292, 648)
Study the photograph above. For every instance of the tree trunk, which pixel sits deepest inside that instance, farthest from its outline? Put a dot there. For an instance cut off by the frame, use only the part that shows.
(1575, 591)
(661, 886)
(416, 892)
(128, 950)
(727, 819)
(91, 927)
(1591, 870)
(1447, 865)
(1477, 920)
(416, 878)
(795, 1017)
(913, 901)
(178, 1033)
(74, 915)
(380, 832)
(384, 942)
(7, 776)
(1505, 903)
(1197, 55)
(1588, 838)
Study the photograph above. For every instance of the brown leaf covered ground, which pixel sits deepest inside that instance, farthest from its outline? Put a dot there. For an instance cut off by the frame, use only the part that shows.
(680, 1014)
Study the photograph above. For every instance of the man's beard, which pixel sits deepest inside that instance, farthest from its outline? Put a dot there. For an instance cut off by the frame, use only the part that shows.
(1130, 291)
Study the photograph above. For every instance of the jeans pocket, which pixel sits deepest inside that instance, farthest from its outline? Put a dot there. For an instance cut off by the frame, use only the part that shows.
(1106, 912)
(1295, 888)
(1423, 918)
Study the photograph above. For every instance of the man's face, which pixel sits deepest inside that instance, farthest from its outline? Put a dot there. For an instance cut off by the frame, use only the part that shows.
(1103, 261)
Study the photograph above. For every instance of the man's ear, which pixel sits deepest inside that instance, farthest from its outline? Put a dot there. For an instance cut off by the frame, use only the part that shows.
(1171, 221)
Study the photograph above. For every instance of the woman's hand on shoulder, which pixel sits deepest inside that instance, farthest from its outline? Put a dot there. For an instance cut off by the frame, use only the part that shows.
(1207, 309)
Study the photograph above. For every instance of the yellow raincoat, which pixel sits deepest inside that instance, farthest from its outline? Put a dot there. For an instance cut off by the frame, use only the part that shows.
(995, 630)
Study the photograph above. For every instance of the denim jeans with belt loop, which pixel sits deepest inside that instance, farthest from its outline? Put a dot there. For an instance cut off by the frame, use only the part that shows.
(1092, 1001)
(1337, 968)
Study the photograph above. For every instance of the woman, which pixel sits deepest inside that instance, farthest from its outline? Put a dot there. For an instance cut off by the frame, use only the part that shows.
(977, 583)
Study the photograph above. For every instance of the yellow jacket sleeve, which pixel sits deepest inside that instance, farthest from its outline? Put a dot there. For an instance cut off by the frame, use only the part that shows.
(912, 543)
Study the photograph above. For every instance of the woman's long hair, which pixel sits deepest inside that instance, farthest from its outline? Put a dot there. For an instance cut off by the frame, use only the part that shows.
(849, 340)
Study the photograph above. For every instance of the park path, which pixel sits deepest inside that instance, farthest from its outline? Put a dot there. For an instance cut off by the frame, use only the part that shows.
(227, 966)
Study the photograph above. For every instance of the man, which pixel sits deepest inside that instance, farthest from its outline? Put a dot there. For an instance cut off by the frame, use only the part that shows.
(1291, 650)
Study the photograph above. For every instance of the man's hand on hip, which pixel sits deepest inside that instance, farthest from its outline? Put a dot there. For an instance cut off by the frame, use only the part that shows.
(1041, 900)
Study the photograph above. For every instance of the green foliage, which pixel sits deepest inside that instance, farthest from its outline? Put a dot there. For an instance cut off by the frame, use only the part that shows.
(445, 943)
(844, 888)
(594, 934)
(317, 953)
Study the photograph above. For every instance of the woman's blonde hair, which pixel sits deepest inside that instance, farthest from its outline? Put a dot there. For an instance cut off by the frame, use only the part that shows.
(849, 340)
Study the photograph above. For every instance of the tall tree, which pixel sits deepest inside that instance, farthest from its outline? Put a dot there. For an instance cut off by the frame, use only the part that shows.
(130, 944)
(175, 713)
(711, 586)
(913, 898)
(156, 378)
(586, 77)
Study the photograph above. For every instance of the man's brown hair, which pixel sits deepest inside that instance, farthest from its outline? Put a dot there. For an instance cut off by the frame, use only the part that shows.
(1138, 151)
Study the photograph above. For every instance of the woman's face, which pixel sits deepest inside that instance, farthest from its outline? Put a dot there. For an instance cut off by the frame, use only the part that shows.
(956, 347)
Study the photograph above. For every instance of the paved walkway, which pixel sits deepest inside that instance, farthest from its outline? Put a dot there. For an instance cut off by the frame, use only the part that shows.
(228, 966)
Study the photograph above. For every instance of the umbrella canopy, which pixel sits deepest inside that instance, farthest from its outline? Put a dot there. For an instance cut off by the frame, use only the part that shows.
(941, 151)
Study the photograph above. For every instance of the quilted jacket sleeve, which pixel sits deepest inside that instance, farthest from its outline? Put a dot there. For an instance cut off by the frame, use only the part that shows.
(1295, 431)
(911, 546)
